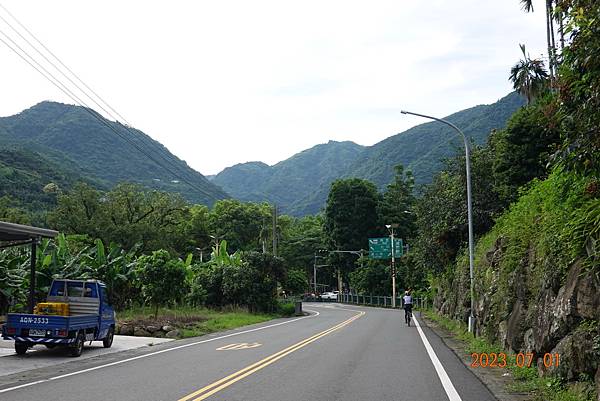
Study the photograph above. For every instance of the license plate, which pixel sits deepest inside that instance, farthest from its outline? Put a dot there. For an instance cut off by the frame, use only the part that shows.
(37, 333)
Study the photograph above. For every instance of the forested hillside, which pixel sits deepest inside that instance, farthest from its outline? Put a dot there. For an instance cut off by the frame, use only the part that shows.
(291, 183)
(423, 148)
(299, 185)
(82, 146)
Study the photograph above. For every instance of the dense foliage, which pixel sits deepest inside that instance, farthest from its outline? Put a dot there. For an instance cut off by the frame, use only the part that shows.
(85, 148)
(291, 183)
(536, 198)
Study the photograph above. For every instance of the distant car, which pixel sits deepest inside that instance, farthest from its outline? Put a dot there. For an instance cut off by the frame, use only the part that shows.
(329, 295)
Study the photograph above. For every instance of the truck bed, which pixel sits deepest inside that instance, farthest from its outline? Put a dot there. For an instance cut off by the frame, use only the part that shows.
(49, 323)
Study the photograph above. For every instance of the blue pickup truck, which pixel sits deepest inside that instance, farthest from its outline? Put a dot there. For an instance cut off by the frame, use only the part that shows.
(84, 314)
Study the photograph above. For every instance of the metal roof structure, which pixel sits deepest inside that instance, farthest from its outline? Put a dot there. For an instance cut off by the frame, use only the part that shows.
(12, 234)
(18, 232)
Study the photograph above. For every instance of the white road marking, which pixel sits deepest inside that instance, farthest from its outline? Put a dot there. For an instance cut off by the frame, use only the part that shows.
(155, 353)
(441, 372)
(238, 346)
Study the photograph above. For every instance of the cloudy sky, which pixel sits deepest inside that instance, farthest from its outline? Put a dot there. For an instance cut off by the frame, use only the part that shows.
(224, 82)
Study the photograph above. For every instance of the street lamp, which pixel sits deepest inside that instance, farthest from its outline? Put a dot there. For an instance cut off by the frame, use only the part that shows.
(390, 228)
(469, 207)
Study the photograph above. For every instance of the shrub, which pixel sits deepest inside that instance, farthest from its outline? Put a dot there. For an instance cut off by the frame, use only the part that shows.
(285, 308)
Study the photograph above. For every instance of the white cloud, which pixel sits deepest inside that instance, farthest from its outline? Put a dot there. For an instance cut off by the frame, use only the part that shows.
(231, 81)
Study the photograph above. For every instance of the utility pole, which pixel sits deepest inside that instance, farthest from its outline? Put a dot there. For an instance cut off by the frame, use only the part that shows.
(315, 275)
(391, 228)
(274, 230)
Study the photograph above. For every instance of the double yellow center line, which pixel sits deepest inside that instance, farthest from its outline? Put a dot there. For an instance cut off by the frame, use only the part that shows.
(225, 382)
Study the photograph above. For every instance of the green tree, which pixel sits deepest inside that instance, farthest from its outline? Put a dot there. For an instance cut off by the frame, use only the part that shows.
(162, 278)
(239, 223)
(397, 203)
(442, 210)
(579, 89)
(350, 218)
(522, 150)
(80, 211)
(550, 16)
(126, 215)
(254, 283)
(529, 77)
(372, 278)
(11, 213)
(300, 239)
(296, 282)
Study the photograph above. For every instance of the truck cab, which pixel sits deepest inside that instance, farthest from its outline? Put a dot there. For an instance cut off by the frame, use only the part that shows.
(75, 311)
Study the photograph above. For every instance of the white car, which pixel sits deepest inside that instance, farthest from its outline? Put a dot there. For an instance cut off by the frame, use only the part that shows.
(329, 295)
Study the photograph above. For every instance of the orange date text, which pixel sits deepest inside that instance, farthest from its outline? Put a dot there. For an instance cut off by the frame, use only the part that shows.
(502, 360)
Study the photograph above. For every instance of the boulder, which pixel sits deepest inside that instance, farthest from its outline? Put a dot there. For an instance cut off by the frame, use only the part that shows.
(173, 334)
(588, 296)
(167, 328)
(502, 337)
(557, 315)
(528, 341)
(514, 328)
(152, 329)
(575, 357)
(125, 330)
(140, 332)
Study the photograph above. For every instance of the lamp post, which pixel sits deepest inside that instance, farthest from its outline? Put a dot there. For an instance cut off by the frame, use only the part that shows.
(391, 227)
(469, 207)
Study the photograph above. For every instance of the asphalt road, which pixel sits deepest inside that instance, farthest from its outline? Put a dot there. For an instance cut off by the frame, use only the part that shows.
(340, 353)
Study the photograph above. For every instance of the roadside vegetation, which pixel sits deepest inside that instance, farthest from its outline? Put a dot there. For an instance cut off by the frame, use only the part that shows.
(526, 379)
(192, 322)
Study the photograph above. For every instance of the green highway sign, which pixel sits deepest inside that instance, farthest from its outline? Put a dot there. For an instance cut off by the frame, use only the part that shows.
(379, 248)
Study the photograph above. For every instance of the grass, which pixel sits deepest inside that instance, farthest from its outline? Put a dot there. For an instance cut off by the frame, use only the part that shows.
(526, 378)
(193, 322)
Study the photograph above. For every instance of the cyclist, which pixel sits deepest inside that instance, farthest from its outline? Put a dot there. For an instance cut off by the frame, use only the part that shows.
(407, 301)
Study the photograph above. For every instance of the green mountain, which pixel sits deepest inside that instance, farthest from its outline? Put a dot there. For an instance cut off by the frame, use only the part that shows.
(300, 184)
(24, 176)
(75, 144)
(423, 148)
(287, 183)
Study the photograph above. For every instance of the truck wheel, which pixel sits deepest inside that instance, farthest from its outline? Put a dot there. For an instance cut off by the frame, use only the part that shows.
(77, 348)
(108, 340)
(20, 348)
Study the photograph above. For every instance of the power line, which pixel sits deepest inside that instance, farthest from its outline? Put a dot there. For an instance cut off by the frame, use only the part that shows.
(50, 77)
(127, 124)
(61, 86)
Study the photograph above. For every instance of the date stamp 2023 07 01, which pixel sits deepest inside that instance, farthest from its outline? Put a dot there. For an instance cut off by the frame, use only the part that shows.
(502, 360)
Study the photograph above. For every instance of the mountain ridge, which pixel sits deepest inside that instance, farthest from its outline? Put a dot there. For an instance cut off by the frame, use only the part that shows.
(421, 149)
(66, 132)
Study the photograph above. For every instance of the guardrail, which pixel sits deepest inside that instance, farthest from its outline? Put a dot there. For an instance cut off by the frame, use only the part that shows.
(381, 301)
(371, 300)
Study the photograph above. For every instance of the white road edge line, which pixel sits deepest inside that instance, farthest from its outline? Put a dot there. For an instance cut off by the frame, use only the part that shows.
(441, 372)
(156, 353)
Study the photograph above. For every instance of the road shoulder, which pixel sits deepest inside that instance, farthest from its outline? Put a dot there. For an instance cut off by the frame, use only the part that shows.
(496, 380)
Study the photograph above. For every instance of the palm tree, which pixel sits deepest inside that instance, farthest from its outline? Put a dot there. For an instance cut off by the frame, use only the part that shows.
(529, 77)
(527, 6)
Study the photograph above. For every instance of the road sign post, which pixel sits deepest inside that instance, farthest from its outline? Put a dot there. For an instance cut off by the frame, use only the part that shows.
(381, 248)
